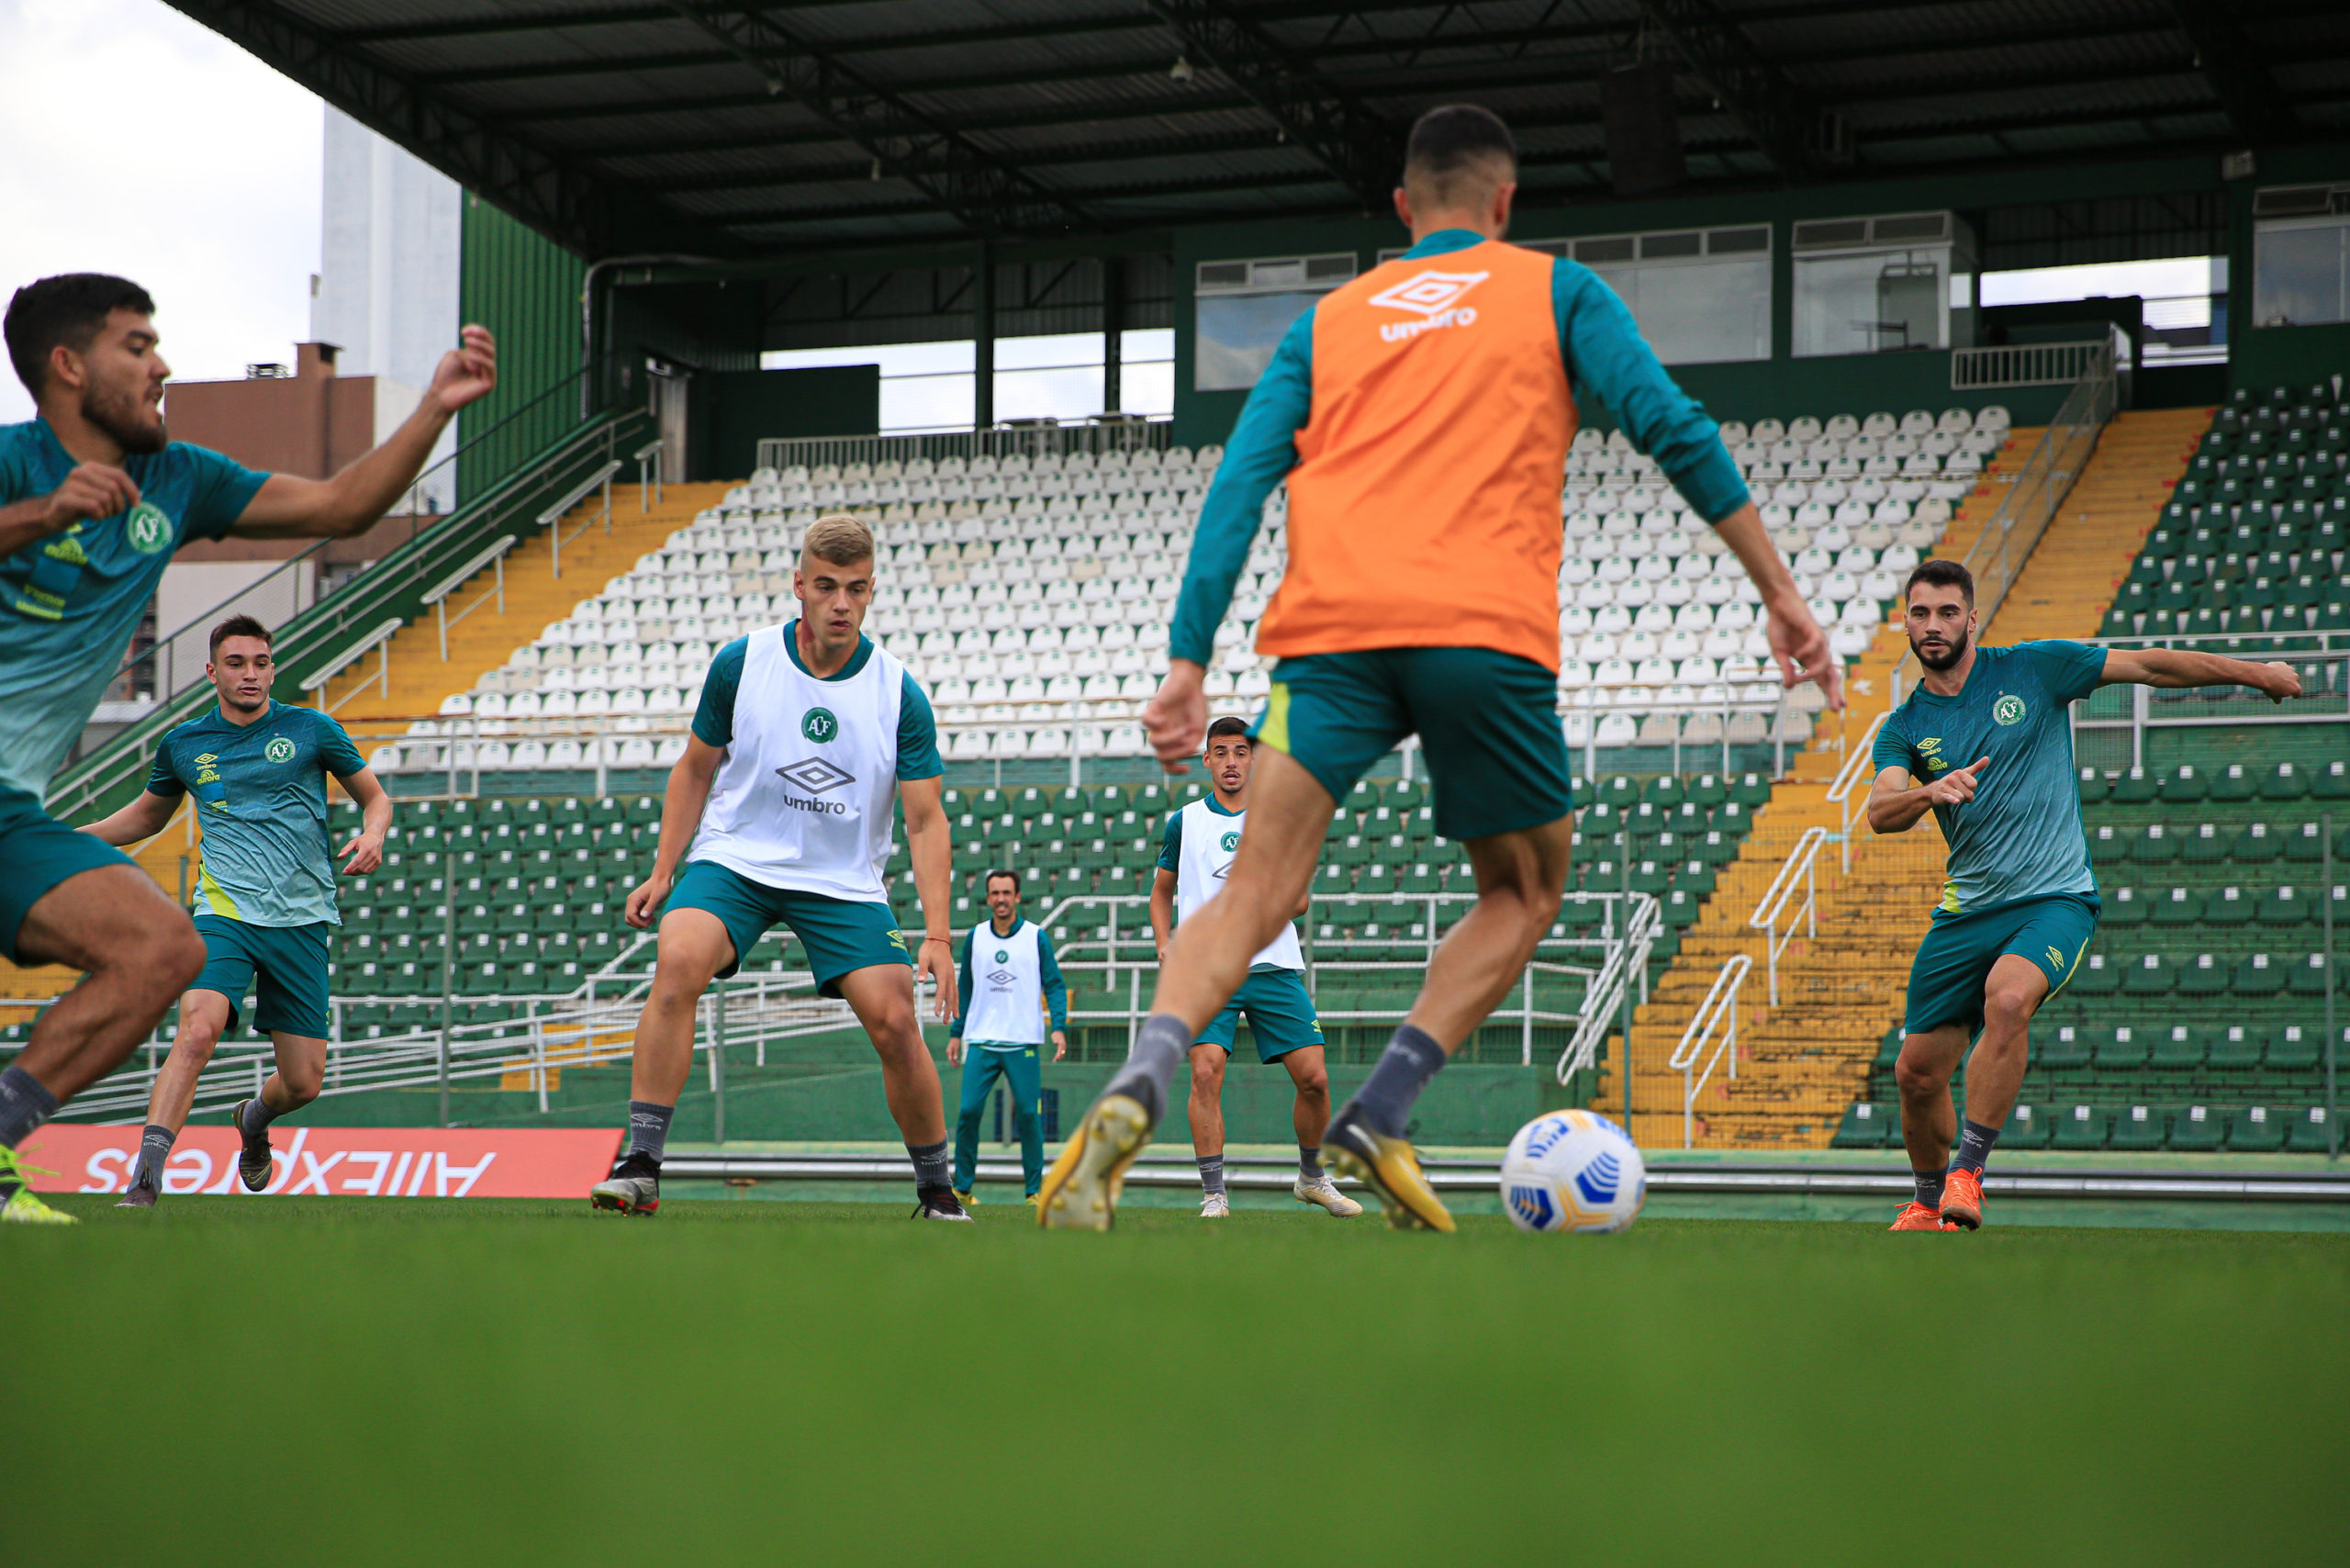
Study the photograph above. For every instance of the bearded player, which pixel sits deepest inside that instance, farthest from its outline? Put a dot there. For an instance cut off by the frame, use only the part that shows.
(1421, 415)
(1985, 743)
(95, 497)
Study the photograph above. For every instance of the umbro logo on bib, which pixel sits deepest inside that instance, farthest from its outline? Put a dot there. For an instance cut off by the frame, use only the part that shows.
(1433, 295)
(1001, 979)
(815, 775)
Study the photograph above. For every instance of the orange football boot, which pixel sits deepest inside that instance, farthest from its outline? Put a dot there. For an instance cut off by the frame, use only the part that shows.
(1918, 1216)
(1962, 1200)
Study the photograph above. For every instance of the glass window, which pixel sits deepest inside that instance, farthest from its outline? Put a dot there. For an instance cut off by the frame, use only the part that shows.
(1699, 312)
(1238, 334)
(2301, 273)
(1871, 301)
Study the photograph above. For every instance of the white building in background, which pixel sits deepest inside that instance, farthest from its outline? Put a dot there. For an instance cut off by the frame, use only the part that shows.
(390, 228)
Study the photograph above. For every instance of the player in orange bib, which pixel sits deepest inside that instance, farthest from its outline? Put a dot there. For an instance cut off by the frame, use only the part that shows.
(1421, 415)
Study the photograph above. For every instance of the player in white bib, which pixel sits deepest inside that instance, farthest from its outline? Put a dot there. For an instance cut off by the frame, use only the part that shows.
(1201, 841)
(1010, 990)
(780, 808)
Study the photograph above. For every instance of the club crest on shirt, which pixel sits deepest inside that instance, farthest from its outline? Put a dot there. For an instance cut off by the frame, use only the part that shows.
(1231, 842)
(2008, 710)
(819, 725)
(148, 528)
(279, 749)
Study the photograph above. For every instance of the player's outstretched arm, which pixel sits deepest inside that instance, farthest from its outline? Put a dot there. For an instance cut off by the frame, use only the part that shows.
(289, 507)
(681, 805)
(365, 853)
(1162, 909)
(142, 819)
(930, 846)
(1797, 641)
(2177, 668)
(1894, 807)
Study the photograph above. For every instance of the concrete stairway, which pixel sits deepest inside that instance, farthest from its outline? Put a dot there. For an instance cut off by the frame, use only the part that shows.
(1804, 1060)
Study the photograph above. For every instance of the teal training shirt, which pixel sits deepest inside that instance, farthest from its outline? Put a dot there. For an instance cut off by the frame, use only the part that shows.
(260, 793)
(69, 603)
(2020, 837)
(917, 730)
(1605, 354)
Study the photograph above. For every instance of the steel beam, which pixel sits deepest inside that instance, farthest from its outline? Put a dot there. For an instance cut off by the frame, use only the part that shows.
(1784, 122)
(2239, 78)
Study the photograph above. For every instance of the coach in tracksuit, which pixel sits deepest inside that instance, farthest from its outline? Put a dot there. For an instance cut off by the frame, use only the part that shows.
(1007, 980)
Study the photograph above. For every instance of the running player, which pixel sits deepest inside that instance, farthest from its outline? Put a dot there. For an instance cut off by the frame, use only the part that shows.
(1987, 730)
(1005, 995)
(95, 497)
(258, 769)
(1421, 415)
(1201, 841)
(780, 811)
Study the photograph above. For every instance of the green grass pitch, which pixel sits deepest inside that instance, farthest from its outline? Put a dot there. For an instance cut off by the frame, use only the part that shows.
(353, 1382)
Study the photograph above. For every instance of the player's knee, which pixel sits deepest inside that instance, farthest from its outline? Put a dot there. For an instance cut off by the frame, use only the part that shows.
(1313, 1082)
(170, 958)
(2007, 1009)
(1914, 1077)
(301, 1083)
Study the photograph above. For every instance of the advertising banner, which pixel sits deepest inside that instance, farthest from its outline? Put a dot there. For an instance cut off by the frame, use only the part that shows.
(373, 1162)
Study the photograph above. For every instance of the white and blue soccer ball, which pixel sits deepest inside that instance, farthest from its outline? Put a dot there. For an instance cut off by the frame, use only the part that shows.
(1574, 1170)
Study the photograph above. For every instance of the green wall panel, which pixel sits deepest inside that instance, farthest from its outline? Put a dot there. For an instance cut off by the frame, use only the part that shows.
(733, 410)
(525, 289)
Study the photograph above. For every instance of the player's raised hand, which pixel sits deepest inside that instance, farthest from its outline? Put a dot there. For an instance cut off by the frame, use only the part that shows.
(467, 372)
(1801, 647)
(1177, 718)
(937, 960)
(645, 900)
(364, 854)
(1958, 786)
(2283, 680)
(92, 492)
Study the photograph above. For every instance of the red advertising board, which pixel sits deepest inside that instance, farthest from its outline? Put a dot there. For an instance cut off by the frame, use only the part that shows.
(375, 1162)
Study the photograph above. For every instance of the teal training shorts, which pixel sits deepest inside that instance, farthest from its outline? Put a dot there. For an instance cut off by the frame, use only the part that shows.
(1488, 724)
(1954, 962)
(37, 852)
(1280, 1015)
(840, 935)
(287, 965)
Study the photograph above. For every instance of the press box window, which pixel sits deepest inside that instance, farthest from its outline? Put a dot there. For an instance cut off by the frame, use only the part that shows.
(2300, 256)
(1241, 308)
(1881, 284)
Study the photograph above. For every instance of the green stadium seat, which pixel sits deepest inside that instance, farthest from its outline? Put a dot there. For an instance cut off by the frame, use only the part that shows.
(2203, 845)
(2309, 1132)
(2287, 905)
(2139, 1129)
(2307, 977)
(2124, 908)
(1707, 791)
(1750, 790)
(2027, 1127)
(1888, 1051)
(2197, 1129)
(2284, 783)
(1867, 1125)
(2081, 1127)
(2179, 1049)
(2108, 846)
(2156, 846)
(2134, 788)
(2146, 976)
(2122, 1048)
(2176, 907)
(2206, 976)
(2067, 1052)
(2182, 786)
(1619, 792)
(1665, 792)
(2228, 906)
(2093, 787)
(2293, 1048)
(1680, 909)
(2257, 974)
(2095, 977)
(2305, 845)
(2331, 783)
(2234, 784)
(2256, 1130)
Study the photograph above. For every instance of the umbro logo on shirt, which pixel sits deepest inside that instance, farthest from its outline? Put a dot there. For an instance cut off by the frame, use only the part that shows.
(1434, 297)
(1001, 979)
(817, 777)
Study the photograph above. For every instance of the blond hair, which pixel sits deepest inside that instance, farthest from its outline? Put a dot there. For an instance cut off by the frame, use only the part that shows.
(840, 538)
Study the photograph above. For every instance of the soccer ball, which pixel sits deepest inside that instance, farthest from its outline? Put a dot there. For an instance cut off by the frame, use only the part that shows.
(1574, 1170)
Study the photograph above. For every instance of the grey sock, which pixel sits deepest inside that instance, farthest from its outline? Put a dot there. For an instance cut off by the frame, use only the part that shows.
(1212, 1174)
(1160, 1047)
(1929, 1185)
(1412, 1057)
(931, 1165)
(24, 1105)
(255, 1116)
(154, 1148)
(648, 1128)
(1309, 1162)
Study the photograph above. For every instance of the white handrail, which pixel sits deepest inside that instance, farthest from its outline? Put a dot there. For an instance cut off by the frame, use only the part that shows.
(1845, 788)
(1768, 913)
(352, 655)
(1626, 962)
(1721, 1001)
(552, 517)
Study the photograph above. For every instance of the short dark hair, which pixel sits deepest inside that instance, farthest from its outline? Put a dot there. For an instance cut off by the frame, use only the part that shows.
(1227, 726)
(1002, 871)
(1941, 573)
(1451, 141)
(238, 626)
(69, 308)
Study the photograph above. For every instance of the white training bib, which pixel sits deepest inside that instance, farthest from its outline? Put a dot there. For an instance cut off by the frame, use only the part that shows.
(1210, 839)
(804, 797)
(1007, 988)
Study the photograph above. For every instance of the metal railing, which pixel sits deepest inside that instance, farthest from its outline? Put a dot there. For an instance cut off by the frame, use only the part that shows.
(393, 587)
(2023, 365)
(2035, 491)
(1718, 1011)
(1623, 972)
(594, 1022)
(1847, 792)
(1004, 440)
(1772, 916)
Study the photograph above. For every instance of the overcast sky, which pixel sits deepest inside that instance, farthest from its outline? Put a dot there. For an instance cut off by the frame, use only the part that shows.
(141, 144)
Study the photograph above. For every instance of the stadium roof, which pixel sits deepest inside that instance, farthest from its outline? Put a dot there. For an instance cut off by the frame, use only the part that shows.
(732, 130)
